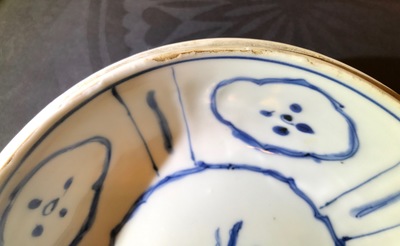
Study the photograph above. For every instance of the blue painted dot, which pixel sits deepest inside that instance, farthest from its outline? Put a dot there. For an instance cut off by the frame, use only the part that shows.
(287, 117)
(34, 203)
(68, 183)
(37, 231)
(63, 212)
(280, 130)
(296, 108)
(266, 113)
(304, 128)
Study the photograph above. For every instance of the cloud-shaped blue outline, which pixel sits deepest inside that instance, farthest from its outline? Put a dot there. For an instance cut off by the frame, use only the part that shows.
(96, 187)
(242, 135)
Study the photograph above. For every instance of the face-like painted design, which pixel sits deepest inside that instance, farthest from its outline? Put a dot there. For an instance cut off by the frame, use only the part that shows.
(56, 202)
(286, 116)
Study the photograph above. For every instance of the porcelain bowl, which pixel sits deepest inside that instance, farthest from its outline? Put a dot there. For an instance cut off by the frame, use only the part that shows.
(209, 142)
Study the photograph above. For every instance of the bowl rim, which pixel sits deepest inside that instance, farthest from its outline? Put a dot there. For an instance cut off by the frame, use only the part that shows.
(26, 138)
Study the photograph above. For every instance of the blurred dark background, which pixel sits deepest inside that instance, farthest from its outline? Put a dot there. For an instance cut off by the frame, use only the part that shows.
(46, 46)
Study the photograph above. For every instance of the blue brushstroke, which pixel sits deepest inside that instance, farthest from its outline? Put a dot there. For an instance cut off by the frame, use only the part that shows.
(128, 112)
(192, 156)
(96, 187)
(303, 127)
(348, 238)
(49, 207)
(280, 130)
(371, 207)
(234, 233)
(287, 118)
(360, 185)
(353, 142)
(204, 167)
(162, 121)
(266, 113)
(296, 108)
(34, 203)
(63, 212)
(68, 183)
(37, 231)
(217, 238)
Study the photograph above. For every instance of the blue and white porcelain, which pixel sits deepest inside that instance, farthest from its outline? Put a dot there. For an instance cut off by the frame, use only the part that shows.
(209, 142)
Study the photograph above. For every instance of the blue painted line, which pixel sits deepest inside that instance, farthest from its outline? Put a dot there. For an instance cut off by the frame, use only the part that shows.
(132, 119)
(349, 238)
(234, 233)
(372, 207)
(192, 155)
(359, 185)
(217, 238)
(162, 121)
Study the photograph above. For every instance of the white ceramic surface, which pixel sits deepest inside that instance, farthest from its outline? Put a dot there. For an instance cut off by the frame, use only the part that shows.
(209, 142)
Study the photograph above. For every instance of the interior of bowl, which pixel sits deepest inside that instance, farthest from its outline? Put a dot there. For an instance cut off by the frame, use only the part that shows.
(212, 142)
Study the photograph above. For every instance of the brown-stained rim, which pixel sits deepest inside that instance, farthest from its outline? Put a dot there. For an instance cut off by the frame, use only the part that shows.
(171, 52)
(382, 87)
